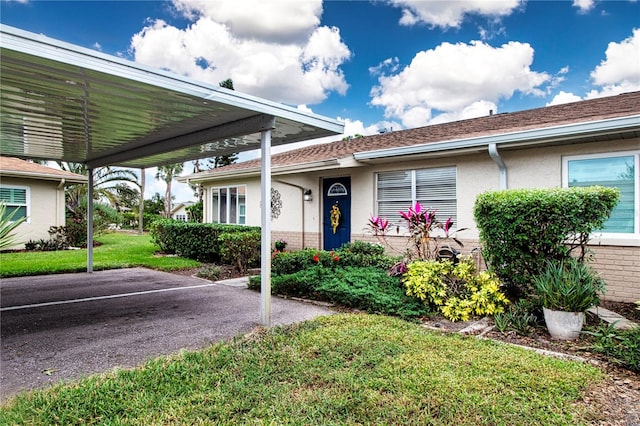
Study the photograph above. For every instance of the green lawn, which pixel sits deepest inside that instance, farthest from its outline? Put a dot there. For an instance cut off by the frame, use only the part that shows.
(118, 250)
(347, 369)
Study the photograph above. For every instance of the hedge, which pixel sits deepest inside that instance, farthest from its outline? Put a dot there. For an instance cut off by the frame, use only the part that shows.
(521, 229)
(199, 241)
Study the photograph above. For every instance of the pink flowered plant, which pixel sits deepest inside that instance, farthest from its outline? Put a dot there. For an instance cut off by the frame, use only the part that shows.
(426, 235)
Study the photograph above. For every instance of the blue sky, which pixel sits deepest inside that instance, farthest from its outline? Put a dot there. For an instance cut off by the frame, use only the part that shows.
(373, 64)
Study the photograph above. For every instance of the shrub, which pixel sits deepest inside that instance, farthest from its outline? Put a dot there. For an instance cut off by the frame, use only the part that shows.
(199, 241)
(458, 290)
(356, 254)
(241, 249)
(521, 229)
(371, 290)
(210, 272)
(365, 288)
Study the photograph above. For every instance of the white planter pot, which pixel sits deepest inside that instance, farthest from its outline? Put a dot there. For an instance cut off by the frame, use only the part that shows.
(563, 325)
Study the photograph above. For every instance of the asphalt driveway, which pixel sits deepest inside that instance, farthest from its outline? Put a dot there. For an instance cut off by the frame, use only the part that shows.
(63, 327)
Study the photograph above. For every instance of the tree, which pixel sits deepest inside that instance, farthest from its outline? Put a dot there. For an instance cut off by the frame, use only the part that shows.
(167, 173)
(155, 205)
(107, 185)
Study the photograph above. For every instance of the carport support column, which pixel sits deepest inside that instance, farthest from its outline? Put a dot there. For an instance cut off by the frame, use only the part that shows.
(265, 244)
(90, 222)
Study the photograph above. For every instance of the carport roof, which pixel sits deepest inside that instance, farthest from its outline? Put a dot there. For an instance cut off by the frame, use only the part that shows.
(63, 102)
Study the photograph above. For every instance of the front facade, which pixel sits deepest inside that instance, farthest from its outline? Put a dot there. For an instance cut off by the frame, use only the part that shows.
(323, 195)
(37, 193)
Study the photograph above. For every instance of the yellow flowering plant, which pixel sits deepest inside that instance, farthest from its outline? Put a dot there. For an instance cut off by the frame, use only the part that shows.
(458, 290)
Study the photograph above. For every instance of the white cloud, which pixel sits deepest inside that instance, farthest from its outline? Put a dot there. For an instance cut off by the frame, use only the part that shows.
(227, 41)
(270, 21)
(97, 46)
(564, 98)
(620, 71)
(460, 79)
(447, 14)
(584, 6)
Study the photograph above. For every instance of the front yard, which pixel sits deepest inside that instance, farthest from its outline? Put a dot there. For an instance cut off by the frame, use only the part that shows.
(343, 370)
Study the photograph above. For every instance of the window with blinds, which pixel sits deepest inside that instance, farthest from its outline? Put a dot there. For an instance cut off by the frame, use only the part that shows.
(619, 170)
(433, 188)
(16, 199)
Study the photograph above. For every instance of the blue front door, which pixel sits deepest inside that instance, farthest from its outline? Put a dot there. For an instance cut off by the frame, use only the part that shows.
(336, 215)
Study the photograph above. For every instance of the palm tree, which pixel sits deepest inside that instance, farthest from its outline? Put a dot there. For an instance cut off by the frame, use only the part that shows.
(167, 173)
(107, 185)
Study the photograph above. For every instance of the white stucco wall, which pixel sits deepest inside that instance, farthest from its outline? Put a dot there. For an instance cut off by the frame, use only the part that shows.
(46, 208)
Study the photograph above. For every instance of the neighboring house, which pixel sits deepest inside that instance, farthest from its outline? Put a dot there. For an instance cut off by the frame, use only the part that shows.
(445, 166)
(179, 211)
(37, 192)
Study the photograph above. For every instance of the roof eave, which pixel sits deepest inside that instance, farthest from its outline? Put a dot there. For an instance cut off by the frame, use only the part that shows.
(255, 171)
(43, 176)
(542, 136)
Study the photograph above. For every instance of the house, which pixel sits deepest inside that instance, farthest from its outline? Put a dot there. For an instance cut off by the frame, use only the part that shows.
(37, 191)
(445, 166)
(179, 211)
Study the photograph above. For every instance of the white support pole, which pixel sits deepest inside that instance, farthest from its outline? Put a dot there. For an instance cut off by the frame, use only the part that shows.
(265, 217)
(90, 223)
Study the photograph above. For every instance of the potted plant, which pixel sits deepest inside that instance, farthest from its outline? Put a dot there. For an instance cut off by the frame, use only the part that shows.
(280, 244)
(567, 289)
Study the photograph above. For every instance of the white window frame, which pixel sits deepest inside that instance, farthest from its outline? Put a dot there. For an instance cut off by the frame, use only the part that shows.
(414, 196)
(610, 237)
(27, 204)
(240, 213)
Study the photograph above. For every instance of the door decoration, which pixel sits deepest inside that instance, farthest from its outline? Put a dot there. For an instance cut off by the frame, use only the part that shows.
(335, 217)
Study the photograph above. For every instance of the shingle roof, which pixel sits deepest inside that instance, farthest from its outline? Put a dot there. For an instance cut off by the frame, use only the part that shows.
(623, 105)
(10, 166)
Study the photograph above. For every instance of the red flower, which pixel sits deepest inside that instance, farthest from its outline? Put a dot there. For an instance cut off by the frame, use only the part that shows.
(336, 258)
(316, 258)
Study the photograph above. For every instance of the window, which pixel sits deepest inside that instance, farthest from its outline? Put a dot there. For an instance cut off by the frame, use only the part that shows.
(336, 190)
(181, 217)
(433, 188)
(16, 198)
(228, 205)
(619, 170)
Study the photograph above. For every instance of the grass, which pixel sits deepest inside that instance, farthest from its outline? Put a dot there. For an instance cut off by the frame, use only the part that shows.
(118, 250)
(347, 369)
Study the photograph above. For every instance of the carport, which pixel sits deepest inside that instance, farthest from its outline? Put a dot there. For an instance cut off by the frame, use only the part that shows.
(63, 102)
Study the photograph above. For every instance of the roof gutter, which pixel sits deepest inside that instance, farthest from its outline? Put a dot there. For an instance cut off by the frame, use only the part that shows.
(43, 176)
(495, 155)
(521, 138)
(255, 171)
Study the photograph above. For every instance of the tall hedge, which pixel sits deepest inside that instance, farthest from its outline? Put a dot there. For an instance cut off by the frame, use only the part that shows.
(199, 241)
(521, 229)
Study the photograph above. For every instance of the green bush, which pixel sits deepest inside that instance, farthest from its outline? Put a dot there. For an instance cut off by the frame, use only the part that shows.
(356, 254)
(241, 249)
(366, 288)
(369, 289)
(457, 290)
(199, 241)
(522, 229)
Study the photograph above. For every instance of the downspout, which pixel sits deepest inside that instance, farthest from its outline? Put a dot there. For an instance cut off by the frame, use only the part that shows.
(60, 187)
(301, 188)
(495, 155)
